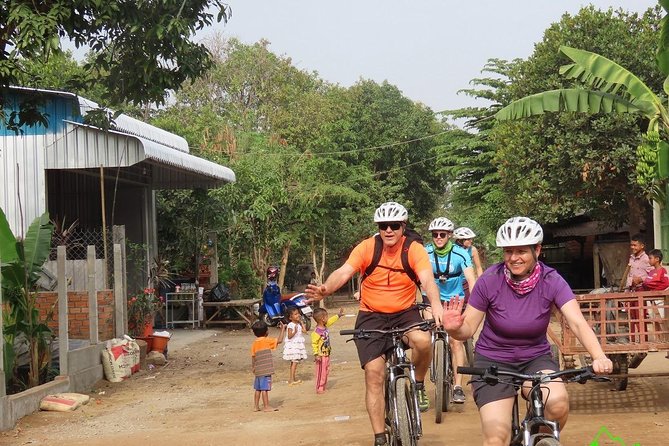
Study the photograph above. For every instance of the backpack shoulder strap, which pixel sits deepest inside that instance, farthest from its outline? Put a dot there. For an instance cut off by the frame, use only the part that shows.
(376, 257)
(404, 257)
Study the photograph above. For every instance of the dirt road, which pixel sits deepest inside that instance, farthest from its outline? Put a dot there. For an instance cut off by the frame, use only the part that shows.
(204, 395)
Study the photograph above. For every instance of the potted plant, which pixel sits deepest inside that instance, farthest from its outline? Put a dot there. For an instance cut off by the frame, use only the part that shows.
(142, 308)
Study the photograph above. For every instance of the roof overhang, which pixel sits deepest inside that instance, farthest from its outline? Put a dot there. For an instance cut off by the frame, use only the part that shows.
(86, 147)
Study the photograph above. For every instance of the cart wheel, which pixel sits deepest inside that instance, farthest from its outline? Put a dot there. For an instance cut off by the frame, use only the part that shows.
(620, 367)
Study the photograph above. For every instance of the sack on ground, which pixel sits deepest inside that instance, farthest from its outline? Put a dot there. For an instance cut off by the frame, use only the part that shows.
(63, 402)
(132, 354)
(114, 362)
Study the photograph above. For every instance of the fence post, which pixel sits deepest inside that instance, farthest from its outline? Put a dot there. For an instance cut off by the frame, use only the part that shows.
(92, 297)
(119, 238)
(63, 316)
(119, 295)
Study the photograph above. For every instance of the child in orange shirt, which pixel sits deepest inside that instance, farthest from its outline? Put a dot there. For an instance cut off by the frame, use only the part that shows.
(263, 364)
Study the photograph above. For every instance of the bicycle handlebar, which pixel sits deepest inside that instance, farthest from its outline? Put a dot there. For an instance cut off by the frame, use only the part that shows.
(492, 375)
(364, 332)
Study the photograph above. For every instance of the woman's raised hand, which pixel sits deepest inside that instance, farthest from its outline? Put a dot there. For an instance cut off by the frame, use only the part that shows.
(452, 318)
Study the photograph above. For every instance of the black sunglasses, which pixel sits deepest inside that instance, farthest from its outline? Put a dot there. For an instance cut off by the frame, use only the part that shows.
(441, 234)
(393, 226)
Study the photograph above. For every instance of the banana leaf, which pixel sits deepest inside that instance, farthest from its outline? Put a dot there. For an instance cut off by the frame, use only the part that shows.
(569, 100)
(8, 253)
(592, 67)
(37, 245)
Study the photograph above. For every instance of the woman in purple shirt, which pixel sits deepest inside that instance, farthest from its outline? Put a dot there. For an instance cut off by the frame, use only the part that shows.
(516, 298)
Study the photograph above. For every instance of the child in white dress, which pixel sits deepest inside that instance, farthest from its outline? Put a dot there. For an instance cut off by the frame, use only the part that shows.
(293, 346)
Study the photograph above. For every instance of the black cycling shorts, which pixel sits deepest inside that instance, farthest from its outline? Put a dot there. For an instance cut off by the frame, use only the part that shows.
(485, 393)
(377, 345)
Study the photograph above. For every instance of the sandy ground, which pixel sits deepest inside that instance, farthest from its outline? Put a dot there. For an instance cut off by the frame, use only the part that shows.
(204, 396)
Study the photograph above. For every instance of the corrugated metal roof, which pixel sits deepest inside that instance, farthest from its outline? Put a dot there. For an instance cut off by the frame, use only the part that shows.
(122, 123)
(126, 124)
(130, 142)
(86, 146)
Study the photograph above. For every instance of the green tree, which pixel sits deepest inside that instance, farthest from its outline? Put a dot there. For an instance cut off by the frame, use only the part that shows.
(560, 165)
(467, 157)
(136, 60)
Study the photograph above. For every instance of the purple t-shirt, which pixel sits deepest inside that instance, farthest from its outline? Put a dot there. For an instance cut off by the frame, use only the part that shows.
(515, 326)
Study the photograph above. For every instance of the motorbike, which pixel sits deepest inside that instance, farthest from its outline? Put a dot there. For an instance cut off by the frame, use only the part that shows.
(273, 313)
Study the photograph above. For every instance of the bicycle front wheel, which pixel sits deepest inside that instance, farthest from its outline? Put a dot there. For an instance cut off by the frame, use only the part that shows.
(402, 428)
(449, 378)
(548, 441)
(439, 383)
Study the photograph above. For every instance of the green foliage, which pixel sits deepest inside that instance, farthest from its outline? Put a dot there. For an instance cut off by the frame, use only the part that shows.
(133, 59)
(560, 165)
(22, 259)
(310, 158)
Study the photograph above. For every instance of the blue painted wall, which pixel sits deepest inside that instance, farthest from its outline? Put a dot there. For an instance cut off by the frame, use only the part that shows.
(56, 108)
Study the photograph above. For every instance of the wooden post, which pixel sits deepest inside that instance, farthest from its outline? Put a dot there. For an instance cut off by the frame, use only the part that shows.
(595, 266)
(92, 297)
(213, 266)
(119, 295)
(63, 316)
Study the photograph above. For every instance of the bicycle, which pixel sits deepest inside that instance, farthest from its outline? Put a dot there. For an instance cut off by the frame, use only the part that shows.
(442, 373)
(528, 433)
(403, 422)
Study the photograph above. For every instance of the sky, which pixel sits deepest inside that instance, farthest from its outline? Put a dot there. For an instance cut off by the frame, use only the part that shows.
(429, 49)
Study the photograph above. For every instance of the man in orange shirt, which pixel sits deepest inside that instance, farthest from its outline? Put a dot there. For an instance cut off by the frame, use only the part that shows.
(387, 300)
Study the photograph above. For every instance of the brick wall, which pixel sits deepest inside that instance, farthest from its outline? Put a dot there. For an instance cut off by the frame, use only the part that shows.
(77, 302)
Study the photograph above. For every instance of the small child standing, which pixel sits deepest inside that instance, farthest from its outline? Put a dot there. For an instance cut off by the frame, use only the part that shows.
(262, 363)
(320, 342)
(293, 346)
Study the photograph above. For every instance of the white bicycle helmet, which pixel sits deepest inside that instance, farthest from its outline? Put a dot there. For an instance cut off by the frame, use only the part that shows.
(463, 233)
(441, 224)
(390, 212)
(519, 231)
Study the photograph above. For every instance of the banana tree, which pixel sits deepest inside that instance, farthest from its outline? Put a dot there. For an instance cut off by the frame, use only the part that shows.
(612, 89)
(20, 263)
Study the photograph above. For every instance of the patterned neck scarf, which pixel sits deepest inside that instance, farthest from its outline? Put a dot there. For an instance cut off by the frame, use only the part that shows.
(526, 285)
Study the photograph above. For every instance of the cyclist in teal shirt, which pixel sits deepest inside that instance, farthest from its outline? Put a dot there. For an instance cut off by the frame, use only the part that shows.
(449, 263)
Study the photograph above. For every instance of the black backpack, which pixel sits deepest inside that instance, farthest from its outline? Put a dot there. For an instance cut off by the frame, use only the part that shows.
(410, 237)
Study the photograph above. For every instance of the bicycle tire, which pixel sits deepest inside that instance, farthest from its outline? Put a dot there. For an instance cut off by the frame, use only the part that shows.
(403, 429)
(449, 379)
(620, 367)
(548, 441)
(438, 380)
(469, 352)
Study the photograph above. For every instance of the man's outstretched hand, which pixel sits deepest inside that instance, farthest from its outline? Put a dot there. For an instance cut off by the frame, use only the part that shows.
(315, 293)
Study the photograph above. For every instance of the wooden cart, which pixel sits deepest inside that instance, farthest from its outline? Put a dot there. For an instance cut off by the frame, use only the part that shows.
(628, 326)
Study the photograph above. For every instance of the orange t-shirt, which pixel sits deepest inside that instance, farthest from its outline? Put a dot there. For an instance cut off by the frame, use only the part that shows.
(387, 291)
(263, 343)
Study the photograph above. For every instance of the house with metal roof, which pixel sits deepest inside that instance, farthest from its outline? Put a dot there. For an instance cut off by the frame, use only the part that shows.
(96, 176)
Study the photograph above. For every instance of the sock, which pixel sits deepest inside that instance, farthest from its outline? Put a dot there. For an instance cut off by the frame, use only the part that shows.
(379, 439)
(420, 385)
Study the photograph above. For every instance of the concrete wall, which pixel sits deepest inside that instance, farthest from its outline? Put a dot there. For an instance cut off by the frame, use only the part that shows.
(85, 368)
